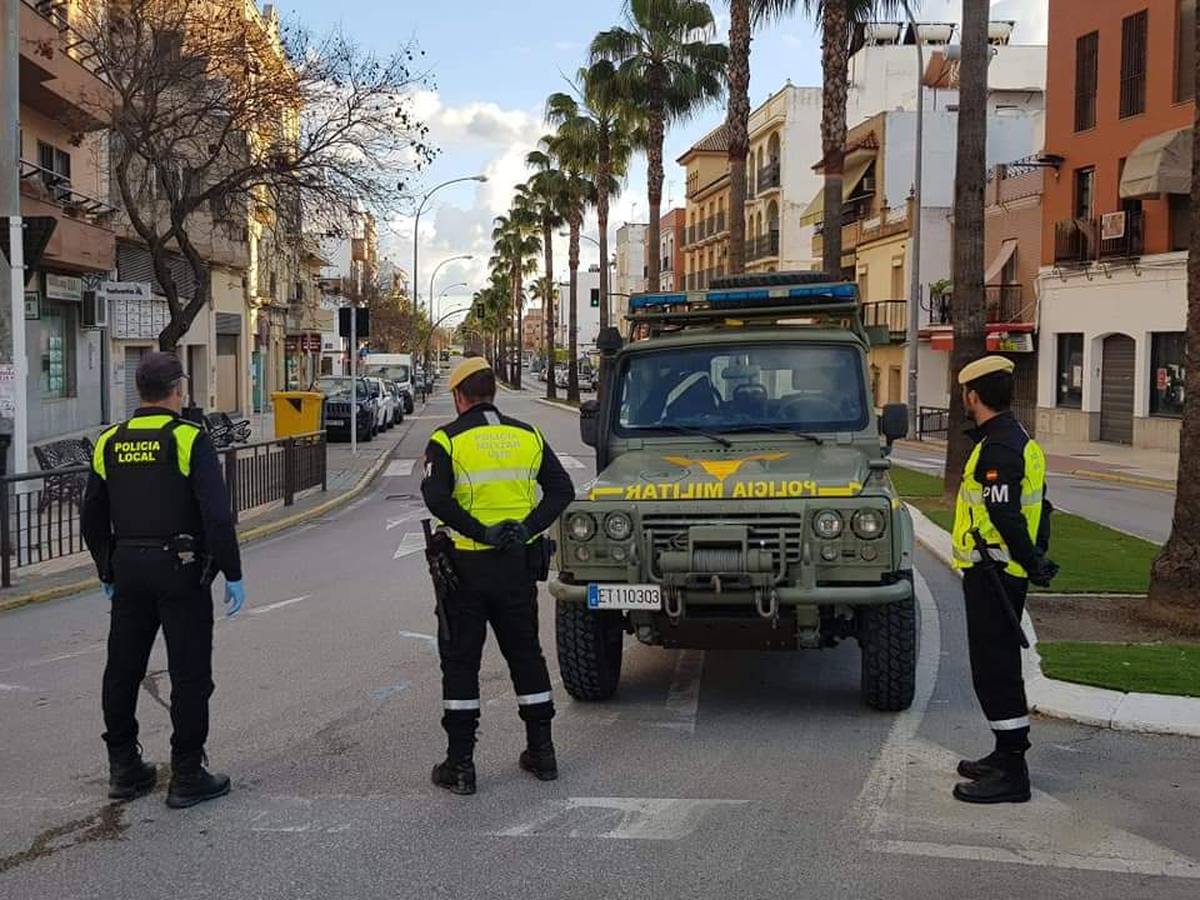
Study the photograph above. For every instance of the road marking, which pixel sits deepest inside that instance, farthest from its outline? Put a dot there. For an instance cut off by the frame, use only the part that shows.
(618, 818)
(271, 607)
(683, 697)
(399, 468)
(430, 639)
(570, 462)
(14, 687)
(395, 522)
(390, 690)
(411, 543)
(908, 794)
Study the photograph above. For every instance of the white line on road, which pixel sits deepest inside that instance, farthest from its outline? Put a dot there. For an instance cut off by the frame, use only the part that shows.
(570, 462)
(397, 521)
(399, 468)
(280, 604)
(683, 697)
(14, 687)
(413, 542)
(618, 818)
(430, 639)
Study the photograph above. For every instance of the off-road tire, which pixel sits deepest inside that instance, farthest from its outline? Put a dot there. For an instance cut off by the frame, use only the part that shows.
(589, 650)
(887, 637)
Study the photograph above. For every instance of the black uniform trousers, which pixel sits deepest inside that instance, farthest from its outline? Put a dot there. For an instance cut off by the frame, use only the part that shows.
(996, 652)
(497, 587)
(152, 589)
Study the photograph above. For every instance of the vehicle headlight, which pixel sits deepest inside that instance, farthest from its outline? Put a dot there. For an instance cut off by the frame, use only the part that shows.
(618, 526)
(619, 554)
(827, 524)
(868, 524)
(581, 526)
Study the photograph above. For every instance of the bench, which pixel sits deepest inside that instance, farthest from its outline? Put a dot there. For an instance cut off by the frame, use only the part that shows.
(63, 454)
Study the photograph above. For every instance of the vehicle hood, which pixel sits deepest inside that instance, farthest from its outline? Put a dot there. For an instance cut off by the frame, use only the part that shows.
(753, 473)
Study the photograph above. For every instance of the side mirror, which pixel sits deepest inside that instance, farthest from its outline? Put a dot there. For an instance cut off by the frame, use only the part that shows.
(589, 415)
(893, 423)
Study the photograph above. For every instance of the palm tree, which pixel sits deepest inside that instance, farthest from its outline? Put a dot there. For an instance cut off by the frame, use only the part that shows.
(516, 245)
(668, 67)
(595, 114)
(544, 196)
(970, 328)
(836, 17)
(1175, 575)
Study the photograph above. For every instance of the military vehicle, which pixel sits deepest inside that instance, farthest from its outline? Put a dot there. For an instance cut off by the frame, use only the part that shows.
(742, 497)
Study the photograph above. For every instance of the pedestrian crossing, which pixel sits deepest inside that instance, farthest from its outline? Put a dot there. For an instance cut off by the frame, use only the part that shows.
(570, 462)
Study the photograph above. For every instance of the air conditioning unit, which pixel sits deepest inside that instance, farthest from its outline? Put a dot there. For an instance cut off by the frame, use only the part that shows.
(95, 309)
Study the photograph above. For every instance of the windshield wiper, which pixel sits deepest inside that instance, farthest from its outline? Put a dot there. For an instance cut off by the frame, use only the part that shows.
(775, 429)
(688, 429)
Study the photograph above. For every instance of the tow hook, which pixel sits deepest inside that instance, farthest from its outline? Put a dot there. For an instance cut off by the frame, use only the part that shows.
(770, 608)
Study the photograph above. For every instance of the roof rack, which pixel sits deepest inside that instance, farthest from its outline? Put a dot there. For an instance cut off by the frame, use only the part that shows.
(762, 299)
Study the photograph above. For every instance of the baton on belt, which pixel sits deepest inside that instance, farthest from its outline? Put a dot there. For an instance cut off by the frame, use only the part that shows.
(993, 567)
(441, 571)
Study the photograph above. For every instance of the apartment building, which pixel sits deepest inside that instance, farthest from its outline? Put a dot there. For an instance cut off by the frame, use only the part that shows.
(706, 247)
(672, 236)
(533, 330)
(1116, 221)
(64, 177)
(629, 273)
(587, 306)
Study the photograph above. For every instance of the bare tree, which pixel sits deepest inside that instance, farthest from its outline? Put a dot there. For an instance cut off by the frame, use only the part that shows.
(222, 114)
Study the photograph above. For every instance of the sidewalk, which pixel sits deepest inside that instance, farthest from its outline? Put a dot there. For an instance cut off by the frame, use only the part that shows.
(1092, 459)
(347, 476)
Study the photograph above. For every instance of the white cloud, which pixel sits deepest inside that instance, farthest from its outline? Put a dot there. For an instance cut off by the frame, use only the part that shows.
(1030, 15)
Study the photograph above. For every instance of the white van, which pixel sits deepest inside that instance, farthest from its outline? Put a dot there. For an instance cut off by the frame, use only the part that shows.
(397, 367)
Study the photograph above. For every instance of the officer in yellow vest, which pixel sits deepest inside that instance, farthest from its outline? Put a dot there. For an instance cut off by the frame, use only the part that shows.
(483, 472)
(156, 519)
(1001, 533)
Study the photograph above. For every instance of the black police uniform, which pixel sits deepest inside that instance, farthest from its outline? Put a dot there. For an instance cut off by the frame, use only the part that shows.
(993, 642)
(497, 586)
(157, 521)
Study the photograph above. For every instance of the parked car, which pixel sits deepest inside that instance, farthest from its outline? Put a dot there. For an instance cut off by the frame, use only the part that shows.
(397, 400)
(395, 366)
(386, 404)
(341, 411)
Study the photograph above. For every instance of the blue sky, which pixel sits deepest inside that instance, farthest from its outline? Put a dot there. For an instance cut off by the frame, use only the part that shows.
(494, 63)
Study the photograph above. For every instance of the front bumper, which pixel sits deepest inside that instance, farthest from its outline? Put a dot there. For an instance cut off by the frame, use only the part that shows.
(789, 595)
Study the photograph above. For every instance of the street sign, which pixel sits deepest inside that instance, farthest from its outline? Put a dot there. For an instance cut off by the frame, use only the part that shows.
(127, 290)
(362, 326)
(38, 231)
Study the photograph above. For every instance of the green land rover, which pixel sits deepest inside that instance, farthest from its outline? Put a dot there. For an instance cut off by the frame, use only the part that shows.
(742, 499)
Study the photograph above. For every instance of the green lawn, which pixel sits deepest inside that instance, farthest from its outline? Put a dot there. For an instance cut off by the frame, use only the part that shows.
(1148, 668)
(1094, 559)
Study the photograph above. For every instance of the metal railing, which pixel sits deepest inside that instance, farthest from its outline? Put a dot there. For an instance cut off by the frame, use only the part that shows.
(762, 246)
(40, 511)
(931, 421)
(1003, 304)
(768, 176)
(890, 314)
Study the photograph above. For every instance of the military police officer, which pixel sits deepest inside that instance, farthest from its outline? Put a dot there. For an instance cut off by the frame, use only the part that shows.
(1001, 532)
(156, 519)
(483, 472)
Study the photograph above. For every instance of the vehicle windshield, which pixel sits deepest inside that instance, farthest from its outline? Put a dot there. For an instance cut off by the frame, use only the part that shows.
(388, 371)
(339, 388)
(797, 387)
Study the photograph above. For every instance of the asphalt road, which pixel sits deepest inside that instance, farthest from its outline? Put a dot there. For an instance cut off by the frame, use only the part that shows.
(1144, 512)
(715, 775)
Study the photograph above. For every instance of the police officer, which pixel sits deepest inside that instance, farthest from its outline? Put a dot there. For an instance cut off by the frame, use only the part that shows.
(482, 475)
(1001, 504)
(156, 519)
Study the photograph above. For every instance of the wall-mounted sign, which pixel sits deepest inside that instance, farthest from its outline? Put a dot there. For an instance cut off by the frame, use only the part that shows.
(127, 290)
(64, 287)
(1011, 342)
(33, 305)
(1112, 226)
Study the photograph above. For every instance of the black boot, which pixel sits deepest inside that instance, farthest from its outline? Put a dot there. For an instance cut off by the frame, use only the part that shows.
(538, 758)
(128, 775)
(974, 769)
(456, 775)
(1008, 782)
(191, 783)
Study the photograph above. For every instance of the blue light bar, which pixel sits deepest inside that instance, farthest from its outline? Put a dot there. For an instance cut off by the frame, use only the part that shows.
(845, 292)
(650, 301)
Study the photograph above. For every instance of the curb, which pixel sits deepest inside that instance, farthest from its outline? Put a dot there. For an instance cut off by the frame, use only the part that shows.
(557, 404)
(254, 533)
(1083, 703)
(1156, 484)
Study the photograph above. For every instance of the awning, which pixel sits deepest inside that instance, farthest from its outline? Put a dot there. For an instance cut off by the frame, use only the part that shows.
(1160, 165)
(1007, 249)
(851, 178)
(1002, 337)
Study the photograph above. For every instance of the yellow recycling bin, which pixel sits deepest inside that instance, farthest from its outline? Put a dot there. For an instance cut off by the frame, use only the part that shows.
(298, 412)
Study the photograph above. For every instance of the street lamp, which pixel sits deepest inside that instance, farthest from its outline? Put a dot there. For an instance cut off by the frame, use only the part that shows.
(433, 277)
(444, 291)
(914, 231)
(417, 226)
(586, 237)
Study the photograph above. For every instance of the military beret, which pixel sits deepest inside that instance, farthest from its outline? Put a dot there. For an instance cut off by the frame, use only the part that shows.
(985, 366)
(466, 369)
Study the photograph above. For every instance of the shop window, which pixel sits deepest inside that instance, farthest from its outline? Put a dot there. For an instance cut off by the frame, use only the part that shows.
(1180, 209)
(1070, 371)
(1087, 67)
(1133, 64)
(55, 350)
(1168, 356)
(1185, 51)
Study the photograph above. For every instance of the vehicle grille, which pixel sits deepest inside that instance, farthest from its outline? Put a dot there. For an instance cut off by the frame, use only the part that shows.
(765, 532)
(337, 410)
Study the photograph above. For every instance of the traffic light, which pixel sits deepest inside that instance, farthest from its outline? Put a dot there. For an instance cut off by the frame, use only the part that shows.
(362, 328)
(595, 298)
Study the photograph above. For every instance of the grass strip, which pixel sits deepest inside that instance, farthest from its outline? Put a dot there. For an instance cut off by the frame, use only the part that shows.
(1144, 668)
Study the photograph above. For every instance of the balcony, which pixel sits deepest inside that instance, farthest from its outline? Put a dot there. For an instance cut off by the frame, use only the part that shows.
(889, 314)
(1004, 304)
(768, 177)
(689, 235)
(55, 80)
(763, 246)
(1110, 238)
(83, 237)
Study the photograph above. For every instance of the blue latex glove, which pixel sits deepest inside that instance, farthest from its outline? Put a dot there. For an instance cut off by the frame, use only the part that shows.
(109, 590)
(235, 596)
